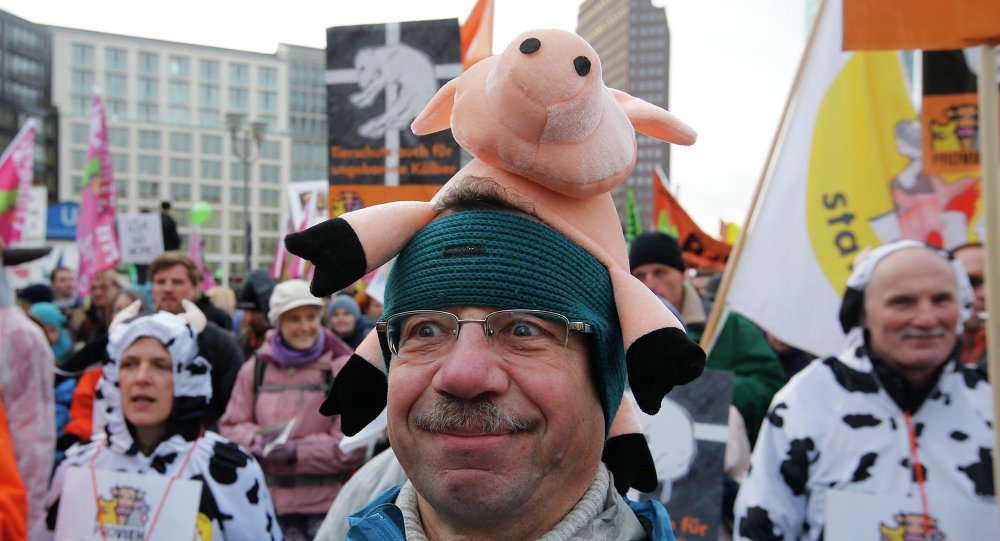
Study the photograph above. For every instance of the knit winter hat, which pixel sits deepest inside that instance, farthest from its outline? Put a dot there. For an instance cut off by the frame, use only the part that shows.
(656, 247)
(497, 259)
(346, 302)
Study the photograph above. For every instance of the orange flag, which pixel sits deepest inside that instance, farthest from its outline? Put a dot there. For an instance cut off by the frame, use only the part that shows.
(477, 34)
(920, 24)
(701, 250)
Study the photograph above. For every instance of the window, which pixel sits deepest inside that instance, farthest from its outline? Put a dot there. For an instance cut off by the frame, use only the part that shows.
(83, 55)
(210, 243)
(268, 246)
(209, 118)
(236, 171)
(267, 77)
(180, 92)
(180, 142)
(239, 74)
(122, 188)
(119, 163)
(180, 168)
(270, 174)
(116, 108)
(179, 66)
(236, 218)
(270, 150)
(81, 105)
(149, 63)
(211, 194)
(269, 198)
(149, 88)
(267, 101)
(209, 70)
(236, 195)
(149, 165)
(83, 81)
(149, 189)
(179, 114)
(238, 98)
(149, 139)
(148, 112)
(115, 85)
(80, 132)
(115, 59)
(180, 192)
(77, 185)
(235, 247)
(208, 95)
(211, 144)
(269, 222)
(76, 159)
(211, 169)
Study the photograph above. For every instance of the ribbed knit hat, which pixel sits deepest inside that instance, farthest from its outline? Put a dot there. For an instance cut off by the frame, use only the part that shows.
(501, 260)
(656, 247)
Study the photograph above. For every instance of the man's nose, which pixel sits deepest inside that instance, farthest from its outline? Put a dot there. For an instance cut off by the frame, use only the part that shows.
(472, 367)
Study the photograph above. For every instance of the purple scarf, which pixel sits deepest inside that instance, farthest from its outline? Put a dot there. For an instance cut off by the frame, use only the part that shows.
(285, 356)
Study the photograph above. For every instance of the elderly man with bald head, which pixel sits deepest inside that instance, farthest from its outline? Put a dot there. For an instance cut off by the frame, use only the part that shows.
(895, 423)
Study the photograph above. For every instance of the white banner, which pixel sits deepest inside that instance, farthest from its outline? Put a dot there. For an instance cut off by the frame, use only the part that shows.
(141, 237)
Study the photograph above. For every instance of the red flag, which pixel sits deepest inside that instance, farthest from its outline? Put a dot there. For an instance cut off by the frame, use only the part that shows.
(477, 34)
(17, 170)
(700, 250)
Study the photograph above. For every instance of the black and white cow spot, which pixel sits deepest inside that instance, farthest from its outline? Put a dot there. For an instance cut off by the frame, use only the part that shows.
(918, 429)
(227, 458)
(973, 376)
(981, 473)
(160, 462)
(861, 420)
(861, 472)
(197, 369)
(958, 435)
(253, 495)
(774, 416)
(853, 381)
(795, 469)
(757, 526)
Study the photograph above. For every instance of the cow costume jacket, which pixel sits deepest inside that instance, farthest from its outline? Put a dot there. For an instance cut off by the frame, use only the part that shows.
(235, 503)
(841, 424)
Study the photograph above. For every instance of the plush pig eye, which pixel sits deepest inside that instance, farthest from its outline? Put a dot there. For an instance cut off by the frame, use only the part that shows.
(530, 45)
(582, 65)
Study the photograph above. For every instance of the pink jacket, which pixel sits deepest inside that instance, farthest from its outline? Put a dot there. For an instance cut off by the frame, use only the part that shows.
(309, 485)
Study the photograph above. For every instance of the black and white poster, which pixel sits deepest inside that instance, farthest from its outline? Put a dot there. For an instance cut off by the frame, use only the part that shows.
(379, 77)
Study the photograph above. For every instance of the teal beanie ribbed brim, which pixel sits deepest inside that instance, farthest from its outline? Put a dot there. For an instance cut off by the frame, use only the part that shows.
(501, 260)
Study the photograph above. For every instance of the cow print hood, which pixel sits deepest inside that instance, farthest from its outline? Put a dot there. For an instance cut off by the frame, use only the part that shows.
(192, 377)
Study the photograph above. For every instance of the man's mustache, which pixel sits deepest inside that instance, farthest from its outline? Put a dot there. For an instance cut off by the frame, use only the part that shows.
(479, 415)
(917, 332)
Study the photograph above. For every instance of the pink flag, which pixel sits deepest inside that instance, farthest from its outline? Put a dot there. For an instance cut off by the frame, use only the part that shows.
(280, 253)
(17, 169)
(194, 250)
(301, 266)
(96, 235)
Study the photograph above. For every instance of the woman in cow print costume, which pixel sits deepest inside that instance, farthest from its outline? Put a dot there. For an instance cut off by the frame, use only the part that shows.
(235, 503)
(855, 423)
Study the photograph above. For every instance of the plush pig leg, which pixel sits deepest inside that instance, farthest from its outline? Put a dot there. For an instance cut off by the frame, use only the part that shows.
(658, 352)
(626, 453)
(343, 249)
(360, 389)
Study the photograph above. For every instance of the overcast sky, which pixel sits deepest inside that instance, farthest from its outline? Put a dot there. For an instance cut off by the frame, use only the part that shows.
(732, 62)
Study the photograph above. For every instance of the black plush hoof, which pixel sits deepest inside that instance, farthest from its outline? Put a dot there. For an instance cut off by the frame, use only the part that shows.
(630, 463)
(358, 394)
(335, 250)
(660, 360)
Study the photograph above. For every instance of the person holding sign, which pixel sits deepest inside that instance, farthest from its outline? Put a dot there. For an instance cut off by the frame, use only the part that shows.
(894, 435)
(155, 472)
(274, 411)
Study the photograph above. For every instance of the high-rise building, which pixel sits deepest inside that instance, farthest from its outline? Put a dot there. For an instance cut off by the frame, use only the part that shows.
(166, 106)
(633, 41)
(25, 91)
(306, 110)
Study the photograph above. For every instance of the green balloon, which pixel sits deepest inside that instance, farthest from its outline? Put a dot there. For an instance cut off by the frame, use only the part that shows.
(200, 213)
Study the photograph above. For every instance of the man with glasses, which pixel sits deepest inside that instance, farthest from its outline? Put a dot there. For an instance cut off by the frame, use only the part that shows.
(505, 370)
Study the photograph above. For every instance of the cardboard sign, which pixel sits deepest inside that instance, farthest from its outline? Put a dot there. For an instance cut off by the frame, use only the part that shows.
(853, 515)
(687, 439)
(126, 504)
(141, 237)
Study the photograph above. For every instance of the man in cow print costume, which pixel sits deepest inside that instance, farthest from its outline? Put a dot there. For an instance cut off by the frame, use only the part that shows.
(148, 439)
(896, 414)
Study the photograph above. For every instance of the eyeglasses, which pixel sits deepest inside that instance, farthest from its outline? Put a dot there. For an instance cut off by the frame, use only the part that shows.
(529, 334)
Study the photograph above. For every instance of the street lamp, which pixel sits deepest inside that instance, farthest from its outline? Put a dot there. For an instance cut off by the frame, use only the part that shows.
(234, 121)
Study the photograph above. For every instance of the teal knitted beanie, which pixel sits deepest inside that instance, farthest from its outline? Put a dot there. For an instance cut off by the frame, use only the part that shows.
(502, 260)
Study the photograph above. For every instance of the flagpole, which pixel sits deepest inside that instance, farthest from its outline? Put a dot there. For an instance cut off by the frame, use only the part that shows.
(708, 337)
(990, 181)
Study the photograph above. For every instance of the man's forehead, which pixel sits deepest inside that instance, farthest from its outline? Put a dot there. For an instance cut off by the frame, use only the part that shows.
(910, 262)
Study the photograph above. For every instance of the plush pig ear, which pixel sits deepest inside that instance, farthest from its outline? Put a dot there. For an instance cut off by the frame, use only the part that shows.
(436, 116)
(654, 121)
